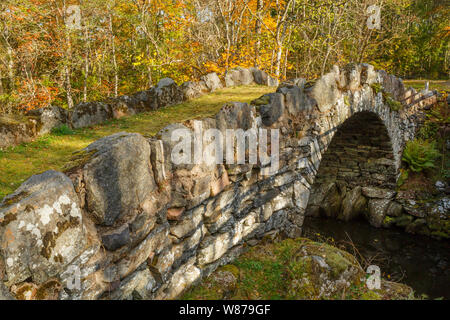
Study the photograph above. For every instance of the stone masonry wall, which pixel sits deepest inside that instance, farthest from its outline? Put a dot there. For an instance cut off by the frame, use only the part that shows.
(125, 222)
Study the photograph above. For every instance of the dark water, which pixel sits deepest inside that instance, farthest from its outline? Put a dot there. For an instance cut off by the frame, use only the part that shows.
(420, 262)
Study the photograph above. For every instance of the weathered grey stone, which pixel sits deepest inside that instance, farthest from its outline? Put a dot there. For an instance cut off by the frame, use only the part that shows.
(161, 167)
(394, 210)
(220, 183)
(41, 228)
(283, 200)
(238, 77)
(4, 293)
(212, 81)
(272, 112)
(140, 282)
(50, 117)
(332, 201)
(167, 93)
(392, 84)
(353, 204)
(140, 101)
(88, 114)
(120, 107)
(222, 201)
(219, 220)
(259, 76)
(14, 131)
(299, 82)
(212, 248)
(186, 276)
(191, 187)
(276, 221)
(352, 74)
(118, 176)
(188, 246)
(153, 244)
(296, 100)
(326, 92)
(188, 223)
(373, 192)
(159, 220)
(115, 239)
(192, 90)
(368, 74)
(377, 211)
(236, 115)
(301, 195)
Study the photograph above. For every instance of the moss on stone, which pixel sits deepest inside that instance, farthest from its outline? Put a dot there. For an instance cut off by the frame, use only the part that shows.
(232, 269)
(388, 220)
(370, 295)
(263, 100)
(393, 104)
(403, 221)
(346, 100)
(310, 84)
(294, 269)
(377, 87)
(14, 199)
(440, 234)
(79, 159)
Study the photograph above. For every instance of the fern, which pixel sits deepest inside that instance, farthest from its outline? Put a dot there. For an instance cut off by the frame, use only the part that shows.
(420, 155)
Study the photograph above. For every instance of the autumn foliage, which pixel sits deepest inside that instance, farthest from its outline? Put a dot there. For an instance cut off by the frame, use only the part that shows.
(123, 46)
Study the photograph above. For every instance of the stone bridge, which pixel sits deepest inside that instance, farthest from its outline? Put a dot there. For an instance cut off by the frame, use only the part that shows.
(124, 222)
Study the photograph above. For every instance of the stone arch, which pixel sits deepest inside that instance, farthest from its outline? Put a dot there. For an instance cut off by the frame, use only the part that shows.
(359, 155)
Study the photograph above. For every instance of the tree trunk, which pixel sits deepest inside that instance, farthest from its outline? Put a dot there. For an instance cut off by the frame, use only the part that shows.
(67, 71)
(113, 47)
(259, 6)
(278, 60)
(11, 77)
(86, 64)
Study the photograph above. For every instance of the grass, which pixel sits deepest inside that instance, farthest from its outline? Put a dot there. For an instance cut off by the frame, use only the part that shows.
(439, 85)
(286, 270)
(52, 151)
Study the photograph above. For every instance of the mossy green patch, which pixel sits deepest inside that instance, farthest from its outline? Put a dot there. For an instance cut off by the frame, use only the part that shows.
(79, 159)
(377, 87)
(290, 270)
(393, 104)
(346, 100)
(263, 100)
(403, 221)
(439, 85)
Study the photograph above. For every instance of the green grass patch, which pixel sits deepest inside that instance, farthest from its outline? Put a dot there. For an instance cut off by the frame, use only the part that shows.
(54, 150)
(288, 270)
(63, 130)
(439, 85)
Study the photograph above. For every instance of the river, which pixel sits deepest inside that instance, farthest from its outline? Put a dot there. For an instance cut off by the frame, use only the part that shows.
(418, 261)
